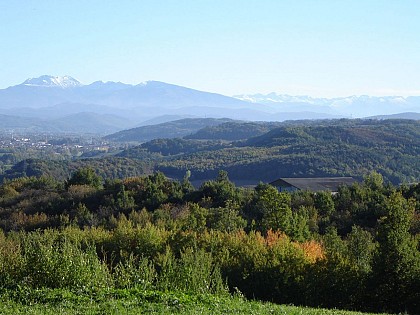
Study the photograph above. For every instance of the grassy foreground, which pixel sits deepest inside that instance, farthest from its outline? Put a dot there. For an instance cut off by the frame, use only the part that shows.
(143, 302)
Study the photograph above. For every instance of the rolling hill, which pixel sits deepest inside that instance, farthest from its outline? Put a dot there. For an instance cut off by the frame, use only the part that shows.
(232, 131)
(173, 129)
(293, 149)
(340, 148)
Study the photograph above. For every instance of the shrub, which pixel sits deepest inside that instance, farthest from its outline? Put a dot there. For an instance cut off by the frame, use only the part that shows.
(51, 260)
(11, 262)
(135, 272)
(193, 272)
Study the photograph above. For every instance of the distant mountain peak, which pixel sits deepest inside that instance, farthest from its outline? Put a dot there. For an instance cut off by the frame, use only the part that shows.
(153, 83)
(144, 83)
(275, 98)
(63, 82)
(109, 85)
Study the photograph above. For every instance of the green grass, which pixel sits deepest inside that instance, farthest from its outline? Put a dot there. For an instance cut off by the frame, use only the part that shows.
(143, 302)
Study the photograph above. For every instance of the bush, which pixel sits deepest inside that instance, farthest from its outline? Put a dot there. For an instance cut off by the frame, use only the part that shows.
(135, 273)
(11, 262)
(193, 272)
(53, 261)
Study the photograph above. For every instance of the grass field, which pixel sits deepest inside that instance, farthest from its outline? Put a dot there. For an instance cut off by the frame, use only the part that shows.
(143, 302)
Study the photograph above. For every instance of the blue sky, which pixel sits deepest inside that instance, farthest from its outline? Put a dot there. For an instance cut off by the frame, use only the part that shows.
(318, 48)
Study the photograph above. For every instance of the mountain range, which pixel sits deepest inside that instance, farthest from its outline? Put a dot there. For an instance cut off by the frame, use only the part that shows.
(52, 104)
(352, 106)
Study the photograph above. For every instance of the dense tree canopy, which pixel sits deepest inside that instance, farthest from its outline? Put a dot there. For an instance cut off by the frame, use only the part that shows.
(355, 249)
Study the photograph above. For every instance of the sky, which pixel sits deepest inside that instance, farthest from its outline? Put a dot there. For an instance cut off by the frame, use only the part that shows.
(300, 47)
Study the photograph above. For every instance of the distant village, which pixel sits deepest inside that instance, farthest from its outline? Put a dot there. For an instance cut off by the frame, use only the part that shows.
(64, 145)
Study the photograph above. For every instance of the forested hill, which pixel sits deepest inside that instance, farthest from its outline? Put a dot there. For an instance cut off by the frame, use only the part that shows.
(234, 130)
(338, 148)
(295, 149)
(363, 133)
(172, 129)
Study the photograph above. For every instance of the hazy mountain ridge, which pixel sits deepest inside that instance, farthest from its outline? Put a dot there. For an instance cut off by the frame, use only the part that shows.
(356, 106)
(88, 122)
(33, 94)
(408, 115)
(82, 122)
(53, 98)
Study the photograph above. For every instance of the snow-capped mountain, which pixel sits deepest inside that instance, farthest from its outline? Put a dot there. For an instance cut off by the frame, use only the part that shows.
(277, 98)
(63, 82)
(140, 102)
(354, 106)
(53, 97)
(290, 103)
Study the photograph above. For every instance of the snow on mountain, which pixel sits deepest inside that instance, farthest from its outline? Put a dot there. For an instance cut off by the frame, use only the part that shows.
(277, 98)
(289, 103)
(63, 82)
(109, 86)
(355, 106)
(151, 99)
(284, 98)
